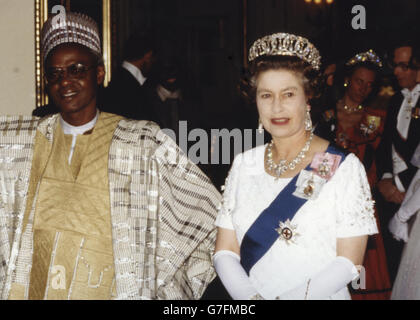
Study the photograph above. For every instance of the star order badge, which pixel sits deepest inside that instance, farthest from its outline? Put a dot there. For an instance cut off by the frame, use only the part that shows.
(287, 232)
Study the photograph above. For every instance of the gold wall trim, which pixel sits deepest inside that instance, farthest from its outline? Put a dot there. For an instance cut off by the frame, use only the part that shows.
(106, 41)
(41, 15)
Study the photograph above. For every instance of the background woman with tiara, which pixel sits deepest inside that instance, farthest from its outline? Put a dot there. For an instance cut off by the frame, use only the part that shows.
(297, 212)
(357, 127)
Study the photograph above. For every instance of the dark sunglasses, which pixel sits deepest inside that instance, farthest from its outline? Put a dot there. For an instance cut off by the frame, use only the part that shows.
(75, 71)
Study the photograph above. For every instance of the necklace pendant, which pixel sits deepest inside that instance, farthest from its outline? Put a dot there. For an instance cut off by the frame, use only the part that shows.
(309, 190)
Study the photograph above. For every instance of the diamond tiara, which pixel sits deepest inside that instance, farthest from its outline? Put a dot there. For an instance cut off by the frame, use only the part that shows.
(368, 56)
(285, 44)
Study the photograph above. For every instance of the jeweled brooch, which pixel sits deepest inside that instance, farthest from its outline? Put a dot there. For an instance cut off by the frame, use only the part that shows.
(287, 231)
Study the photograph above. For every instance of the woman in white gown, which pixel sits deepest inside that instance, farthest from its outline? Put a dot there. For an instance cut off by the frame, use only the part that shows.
(407, 283)
(297, 212)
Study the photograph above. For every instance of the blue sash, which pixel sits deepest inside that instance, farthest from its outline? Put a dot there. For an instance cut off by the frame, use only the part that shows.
(262, 234)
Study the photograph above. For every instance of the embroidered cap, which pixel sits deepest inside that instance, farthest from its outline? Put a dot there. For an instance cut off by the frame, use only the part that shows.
(71, 28)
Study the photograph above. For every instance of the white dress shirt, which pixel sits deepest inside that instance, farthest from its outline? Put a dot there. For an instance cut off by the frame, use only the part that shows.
(403, 125)
(136, 72)
(404, 116)
(75, 131)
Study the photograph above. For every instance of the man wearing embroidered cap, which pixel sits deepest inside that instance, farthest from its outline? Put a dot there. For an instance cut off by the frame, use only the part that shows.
(96, 206)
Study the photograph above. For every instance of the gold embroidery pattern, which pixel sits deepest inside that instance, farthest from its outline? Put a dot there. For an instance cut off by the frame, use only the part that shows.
(74, 204)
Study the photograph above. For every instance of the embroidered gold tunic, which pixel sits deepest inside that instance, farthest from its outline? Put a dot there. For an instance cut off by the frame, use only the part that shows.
(162, 212)
(72, 246)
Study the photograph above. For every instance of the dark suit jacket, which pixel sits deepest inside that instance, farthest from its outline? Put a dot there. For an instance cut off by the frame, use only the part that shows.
(405, 148)
(126, 97)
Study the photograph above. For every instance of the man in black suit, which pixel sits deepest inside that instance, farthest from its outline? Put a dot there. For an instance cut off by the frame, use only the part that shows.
(400, 139)
(128, 93)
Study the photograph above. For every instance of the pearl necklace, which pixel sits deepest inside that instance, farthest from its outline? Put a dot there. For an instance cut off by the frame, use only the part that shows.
(283, 166)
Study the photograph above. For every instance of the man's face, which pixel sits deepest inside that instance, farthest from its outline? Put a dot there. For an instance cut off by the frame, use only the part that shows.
(73, 78)
(406, 77)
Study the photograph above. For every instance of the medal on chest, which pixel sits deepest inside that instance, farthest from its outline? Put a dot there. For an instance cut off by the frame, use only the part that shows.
(370, 125)
(287, 232)
(415, 114)
(308, 186)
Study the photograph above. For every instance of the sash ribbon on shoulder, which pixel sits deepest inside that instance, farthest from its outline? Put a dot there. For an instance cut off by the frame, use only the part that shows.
(262, 234)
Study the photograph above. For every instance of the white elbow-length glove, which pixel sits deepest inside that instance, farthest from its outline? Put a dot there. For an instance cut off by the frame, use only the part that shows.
(398, 225)
(332, 279)
(233, 275)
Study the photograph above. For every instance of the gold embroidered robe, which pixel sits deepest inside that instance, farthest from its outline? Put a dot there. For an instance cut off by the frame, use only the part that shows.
(162, 210)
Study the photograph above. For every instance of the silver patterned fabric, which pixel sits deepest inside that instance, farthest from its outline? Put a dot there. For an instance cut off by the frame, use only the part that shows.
(162, 210)
(70, 28)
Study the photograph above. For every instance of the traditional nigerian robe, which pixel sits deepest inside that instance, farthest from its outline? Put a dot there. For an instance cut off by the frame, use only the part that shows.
(73, 256)
(162, 209)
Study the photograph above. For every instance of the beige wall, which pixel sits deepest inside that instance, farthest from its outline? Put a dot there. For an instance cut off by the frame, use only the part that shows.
(17, 57)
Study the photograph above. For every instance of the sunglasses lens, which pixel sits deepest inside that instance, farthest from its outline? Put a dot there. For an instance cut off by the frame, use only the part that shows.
(76, 71)
(52, 75)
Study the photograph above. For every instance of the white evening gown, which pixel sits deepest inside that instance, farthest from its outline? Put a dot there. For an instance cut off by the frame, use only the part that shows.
(407, 283)
(343, 209)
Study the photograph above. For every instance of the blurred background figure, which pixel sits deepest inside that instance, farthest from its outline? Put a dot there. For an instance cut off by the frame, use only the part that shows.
(355, 126)
(351, 122)
(128, 94)
(328, 94)
(405, 226)
(400, 140)
(329, 73)
(170, 103)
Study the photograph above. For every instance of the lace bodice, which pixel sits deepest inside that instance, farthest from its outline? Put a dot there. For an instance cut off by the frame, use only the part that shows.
(344, 208)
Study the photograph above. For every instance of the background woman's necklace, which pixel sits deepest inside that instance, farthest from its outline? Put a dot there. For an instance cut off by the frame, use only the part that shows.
(284, 166)
(351, 109)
